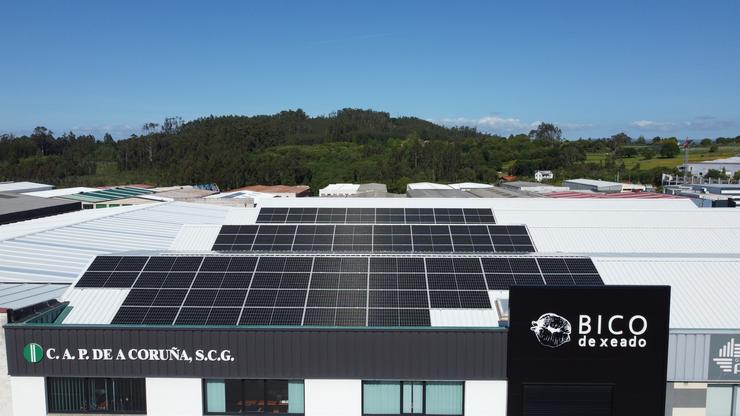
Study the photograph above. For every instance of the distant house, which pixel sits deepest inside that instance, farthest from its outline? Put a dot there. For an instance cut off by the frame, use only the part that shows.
(540, 175)
(280, 191)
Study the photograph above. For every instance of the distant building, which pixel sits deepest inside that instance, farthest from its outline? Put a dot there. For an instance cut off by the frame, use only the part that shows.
(427, 186)
(15, 207)
(533, 187)
(113, 197)
(339, 190)
(22, 187)
(280, 191)
(54, 193)
(352, 189)
(707, 196)
(464, 186)
(700, 169)
(438, 193)
(594, 185)
(541, 175)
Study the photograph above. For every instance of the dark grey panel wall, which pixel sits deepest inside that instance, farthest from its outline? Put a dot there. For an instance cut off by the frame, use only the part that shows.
(270, 353)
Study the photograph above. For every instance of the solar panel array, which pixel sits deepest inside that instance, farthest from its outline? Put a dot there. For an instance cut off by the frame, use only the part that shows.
(376, 216)
(375, 238)
(322, 291)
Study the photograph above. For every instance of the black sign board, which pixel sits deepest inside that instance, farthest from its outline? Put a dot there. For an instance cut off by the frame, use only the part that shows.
(359, 353)
(588, 350)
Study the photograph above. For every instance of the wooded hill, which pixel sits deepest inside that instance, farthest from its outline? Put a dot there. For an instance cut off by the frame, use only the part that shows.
(290, 147)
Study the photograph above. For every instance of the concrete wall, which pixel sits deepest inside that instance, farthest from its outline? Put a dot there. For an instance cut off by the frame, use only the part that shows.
(30, 396)
(174, 396)
(333, 397)
(485, 398)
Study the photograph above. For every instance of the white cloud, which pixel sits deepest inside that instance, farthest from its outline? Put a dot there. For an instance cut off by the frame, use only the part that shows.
(501, 124)
(702, 123)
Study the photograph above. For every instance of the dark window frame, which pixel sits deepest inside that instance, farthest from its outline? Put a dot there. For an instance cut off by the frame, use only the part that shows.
(423, 395)
(264, 393)
(110, 385)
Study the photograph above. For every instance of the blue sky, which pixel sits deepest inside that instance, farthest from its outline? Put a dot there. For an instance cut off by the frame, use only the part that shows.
(594, 68)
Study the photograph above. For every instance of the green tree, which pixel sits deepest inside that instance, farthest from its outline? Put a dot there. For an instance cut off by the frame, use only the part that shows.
(648, 153)
(669, 149)
(546, 133)
(706, 142)
(714, 174)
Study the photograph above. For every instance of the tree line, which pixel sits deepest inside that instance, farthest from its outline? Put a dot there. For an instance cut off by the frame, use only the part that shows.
(350, 145)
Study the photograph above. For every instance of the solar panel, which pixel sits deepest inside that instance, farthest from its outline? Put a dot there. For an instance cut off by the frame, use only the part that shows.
(324, 291)
(376, 238)
(375, 216)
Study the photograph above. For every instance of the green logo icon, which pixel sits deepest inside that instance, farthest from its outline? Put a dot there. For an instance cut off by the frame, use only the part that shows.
(33, 352)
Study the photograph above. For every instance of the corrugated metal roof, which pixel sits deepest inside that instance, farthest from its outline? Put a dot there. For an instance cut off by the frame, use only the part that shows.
(93, 306)
(23, 186)
(641, 240)
(60, 192)
(19, 295)
(60, 253)
(196, 237)
(704, 292)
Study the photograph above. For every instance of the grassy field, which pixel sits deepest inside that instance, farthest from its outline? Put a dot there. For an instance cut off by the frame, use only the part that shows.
(696, 154)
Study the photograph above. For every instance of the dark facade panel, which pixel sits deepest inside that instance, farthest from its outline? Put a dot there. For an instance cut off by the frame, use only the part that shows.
(474, 354)
(47, 208)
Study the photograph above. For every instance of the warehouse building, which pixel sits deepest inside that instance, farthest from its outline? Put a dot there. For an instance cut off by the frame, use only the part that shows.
(594, 185)
(321, 306)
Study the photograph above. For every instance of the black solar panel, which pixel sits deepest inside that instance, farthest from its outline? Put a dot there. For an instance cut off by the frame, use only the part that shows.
(371, 238)
(375, 216)
(328, 291)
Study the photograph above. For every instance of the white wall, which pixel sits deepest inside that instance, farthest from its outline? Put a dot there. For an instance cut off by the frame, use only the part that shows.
(333, 397)
(28, 396)
(174, 397)
(485, 398)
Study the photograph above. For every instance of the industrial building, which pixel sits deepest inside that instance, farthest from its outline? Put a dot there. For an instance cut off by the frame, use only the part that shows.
(729, 166)
(16, 207)
(594, 185)
(359, 306)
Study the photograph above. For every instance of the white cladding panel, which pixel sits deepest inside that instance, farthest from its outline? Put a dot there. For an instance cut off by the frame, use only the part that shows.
(485, 398)
(28, 396)
(333, 397)
(464, 317)
(174, 396)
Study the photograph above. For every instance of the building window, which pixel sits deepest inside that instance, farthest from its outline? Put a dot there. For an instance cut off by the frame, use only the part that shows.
(723, 400)
(282, 397)
(95, 395)
(412, 398)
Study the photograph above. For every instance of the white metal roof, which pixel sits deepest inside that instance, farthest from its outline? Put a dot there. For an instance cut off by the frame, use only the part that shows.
(93, 306)
(340, 188)
(427, 185)
(497, 204)
(704, 291)
(593, 182)
(19, 295)
(60, 249)
(60, 192)
(470, 185)
(196, 237)
(23, 186)
(241, 195)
